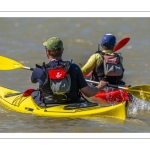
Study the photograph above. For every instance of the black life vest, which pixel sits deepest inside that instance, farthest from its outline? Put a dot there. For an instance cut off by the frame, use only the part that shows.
(98, 72)
(48, 90)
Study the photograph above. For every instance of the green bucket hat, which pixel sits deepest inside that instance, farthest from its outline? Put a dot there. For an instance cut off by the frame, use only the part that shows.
(54, 44)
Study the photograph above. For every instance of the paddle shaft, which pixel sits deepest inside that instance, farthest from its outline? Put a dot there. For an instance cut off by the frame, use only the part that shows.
(110, 85)
(28, 68)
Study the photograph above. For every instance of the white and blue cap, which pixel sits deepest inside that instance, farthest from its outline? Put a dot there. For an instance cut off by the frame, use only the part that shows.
(108, 40)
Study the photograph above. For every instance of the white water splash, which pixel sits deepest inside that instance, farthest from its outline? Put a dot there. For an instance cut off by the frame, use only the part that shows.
(138, 105)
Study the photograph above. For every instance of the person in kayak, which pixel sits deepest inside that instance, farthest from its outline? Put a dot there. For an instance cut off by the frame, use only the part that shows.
(60, 81)
(105, 64)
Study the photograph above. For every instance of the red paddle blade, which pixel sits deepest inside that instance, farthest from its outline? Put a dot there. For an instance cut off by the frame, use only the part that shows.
(120, 44)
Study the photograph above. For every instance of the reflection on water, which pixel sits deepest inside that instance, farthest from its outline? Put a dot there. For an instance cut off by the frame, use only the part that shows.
(21, 40)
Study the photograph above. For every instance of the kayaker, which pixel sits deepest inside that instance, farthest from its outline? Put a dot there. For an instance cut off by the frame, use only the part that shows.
(52, 86)
(99, 63)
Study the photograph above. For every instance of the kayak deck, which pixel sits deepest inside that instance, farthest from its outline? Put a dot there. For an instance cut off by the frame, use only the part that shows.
(22, 104)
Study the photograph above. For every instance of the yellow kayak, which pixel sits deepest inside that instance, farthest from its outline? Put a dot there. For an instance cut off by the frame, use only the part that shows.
(14, 100)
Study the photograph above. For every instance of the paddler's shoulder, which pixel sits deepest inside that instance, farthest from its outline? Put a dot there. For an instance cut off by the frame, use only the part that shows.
(109, 52)
(96, 56)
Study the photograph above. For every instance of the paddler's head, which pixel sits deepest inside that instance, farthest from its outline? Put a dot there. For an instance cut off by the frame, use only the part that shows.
(54, 47)
(108, 41)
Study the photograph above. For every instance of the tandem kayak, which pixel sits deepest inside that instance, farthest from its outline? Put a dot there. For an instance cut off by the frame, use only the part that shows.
(14, 100)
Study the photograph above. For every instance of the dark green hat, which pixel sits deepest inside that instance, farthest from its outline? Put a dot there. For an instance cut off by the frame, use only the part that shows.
(53, 44)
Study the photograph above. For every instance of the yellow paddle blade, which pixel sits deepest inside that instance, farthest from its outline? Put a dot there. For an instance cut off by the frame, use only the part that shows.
(142, 91)
(9, 64)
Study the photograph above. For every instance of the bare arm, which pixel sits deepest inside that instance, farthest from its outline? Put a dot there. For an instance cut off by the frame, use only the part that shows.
(90, 91)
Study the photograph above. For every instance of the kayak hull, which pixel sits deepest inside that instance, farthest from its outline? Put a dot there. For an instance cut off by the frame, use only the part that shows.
(17, 102)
